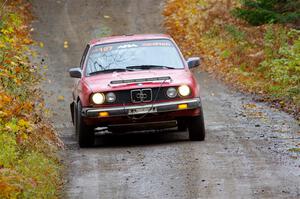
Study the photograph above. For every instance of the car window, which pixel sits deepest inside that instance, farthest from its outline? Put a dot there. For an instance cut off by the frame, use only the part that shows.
(135, 53)
(84, 56)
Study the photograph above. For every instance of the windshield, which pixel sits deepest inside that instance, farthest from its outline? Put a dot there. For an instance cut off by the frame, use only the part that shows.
(135, 55)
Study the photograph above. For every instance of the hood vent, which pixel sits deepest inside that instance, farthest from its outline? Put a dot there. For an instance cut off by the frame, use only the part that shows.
(152, 79)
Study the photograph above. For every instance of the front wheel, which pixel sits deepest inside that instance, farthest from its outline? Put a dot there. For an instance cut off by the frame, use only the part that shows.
(84, 133)
(181, 125)
(196, 127)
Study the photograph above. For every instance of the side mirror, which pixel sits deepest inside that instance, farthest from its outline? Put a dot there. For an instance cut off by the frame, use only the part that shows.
(193, 62)
(75, 72)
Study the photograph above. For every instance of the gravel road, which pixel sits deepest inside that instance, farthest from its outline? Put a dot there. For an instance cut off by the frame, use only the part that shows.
(246, 153)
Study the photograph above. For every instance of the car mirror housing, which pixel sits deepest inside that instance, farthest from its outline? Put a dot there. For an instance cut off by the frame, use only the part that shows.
(75, 72)
(194, 62)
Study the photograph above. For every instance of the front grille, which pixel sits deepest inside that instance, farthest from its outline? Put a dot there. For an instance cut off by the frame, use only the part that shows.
(141, 95)
(129, 96)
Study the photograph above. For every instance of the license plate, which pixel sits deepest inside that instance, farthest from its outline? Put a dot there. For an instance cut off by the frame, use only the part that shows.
(141, 111)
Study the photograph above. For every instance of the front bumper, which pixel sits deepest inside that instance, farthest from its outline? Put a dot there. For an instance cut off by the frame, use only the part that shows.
(163, 107)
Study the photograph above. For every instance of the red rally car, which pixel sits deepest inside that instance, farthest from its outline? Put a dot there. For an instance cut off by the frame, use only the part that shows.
(135, 82)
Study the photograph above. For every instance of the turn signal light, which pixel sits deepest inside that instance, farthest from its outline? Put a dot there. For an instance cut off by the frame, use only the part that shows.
(182, 106)
(103, 114)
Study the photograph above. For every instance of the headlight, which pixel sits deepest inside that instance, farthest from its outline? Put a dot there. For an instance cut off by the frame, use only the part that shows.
(184, 90)
(98, 98)
(110, 97)
(171, 92)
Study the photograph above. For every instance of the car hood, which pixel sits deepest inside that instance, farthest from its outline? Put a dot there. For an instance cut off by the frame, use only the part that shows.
(102, 82)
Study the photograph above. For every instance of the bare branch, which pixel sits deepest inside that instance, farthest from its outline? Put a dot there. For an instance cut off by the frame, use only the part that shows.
(2, 6)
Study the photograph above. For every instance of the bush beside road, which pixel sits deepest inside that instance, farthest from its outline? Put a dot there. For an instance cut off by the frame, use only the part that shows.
(263, 60)
(29, 165)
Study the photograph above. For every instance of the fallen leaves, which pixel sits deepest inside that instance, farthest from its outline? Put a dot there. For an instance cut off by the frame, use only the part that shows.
(295, 150)
(66, 44)
(61, 98)
(249, 106)
(252, 111)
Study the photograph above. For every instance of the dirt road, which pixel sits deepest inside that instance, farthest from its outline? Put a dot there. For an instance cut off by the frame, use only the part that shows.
(246, 152)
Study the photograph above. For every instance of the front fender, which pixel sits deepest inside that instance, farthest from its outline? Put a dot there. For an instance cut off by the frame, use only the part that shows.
(84, 92)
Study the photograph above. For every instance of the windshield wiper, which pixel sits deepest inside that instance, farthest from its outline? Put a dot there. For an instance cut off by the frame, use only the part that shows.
(108, 71)
(147, 67)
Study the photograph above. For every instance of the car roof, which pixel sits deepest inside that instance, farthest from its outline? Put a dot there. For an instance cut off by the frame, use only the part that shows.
(124, 38)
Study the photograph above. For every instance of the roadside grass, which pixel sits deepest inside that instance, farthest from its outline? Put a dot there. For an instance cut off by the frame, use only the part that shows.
(296, 150)
(263, 60)
(29, 165)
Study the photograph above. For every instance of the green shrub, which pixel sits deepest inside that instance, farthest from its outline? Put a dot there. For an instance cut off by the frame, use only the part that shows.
(42, 173)
(258, 12)
(234, 32)
(9, 150)
(284, 68)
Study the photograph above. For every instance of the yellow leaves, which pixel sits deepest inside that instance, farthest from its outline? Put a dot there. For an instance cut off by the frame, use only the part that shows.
(47, 113)
(4, 99)
(3, 114)
(7, 30)
(194, 11)
(33, 54)
(249, 106)
(12, 127)
(66, 44)
(20, 128)
(41, 44)
(13, 63)
(60, 98)
(10, 108)
(24, 124)
(27, 106)
(2, 45)
(251, 110)
(9, 184)
(27, 41)
(202, 3)
(18, 69)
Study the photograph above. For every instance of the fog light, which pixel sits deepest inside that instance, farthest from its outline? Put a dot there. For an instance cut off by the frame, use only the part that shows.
(171, 92)
(110, 97)
(182, 106)
(103, 114)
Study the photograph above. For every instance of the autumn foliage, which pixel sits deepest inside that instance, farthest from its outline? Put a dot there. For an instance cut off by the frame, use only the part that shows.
(29, 167)
(258, 59)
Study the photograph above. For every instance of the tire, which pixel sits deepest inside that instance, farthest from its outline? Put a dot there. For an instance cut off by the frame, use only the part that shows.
(196, 127)
(181, 125)
(74, 115)
(85, 135)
